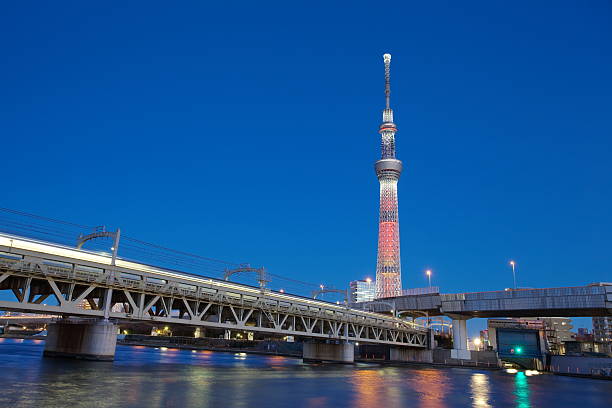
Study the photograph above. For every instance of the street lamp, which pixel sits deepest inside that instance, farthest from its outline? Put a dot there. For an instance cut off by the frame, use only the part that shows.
(428, 272)
(477, 343)
(513, 264)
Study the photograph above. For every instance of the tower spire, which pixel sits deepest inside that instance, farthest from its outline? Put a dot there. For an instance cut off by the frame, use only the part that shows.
(387, 59)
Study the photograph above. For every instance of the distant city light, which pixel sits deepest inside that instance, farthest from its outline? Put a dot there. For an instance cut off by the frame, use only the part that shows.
(362, 290)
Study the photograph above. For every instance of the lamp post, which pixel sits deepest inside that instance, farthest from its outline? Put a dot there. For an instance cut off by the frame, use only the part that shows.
(428, 272)
(513, 265)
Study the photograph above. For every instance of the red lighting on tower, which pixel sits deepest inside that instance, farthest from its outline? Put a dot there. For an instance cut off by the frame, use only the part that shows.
(388, 170)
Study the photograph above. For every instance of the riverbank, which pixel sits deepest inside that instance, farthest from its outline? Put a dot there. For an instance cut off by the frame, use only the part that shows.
(21, 336)
(208, 348)
(266, 347)
(467, 364)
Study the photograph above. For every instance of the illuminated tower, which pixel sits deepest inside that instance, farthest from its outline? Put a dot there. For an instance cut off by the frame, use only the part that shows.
(388, 170)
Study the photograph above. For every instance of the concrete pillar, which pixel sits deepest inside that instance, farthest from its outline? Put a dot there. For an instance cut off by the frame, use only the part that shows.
(338, 353)
(460, 350)
(81, 338)
(406, 354)
(492, 337)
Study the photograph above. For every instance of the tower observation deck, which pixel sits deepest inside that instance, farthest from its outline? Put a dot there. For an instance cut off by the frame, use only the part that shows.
(388, 170)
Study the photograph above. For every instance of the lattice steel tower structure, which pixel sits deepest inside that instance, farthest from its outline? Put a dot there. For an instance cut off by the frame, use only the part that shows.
(388, 170)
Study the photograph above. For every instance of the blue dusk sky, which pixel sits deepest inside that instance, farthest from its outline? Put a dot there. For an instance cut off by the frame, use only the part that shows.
(248, 132)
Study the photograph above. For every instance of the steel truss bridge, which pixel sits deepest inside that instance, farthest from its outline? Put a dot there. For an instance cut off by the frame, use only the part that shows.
(34, 273)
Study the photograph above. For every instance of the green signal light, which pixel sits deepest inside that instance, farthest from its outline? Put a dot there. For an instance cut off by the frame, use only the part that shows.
(519, 350)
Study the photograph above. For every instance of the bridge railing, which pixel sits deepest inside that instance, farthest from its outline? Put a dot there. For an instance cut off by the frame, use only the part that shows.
(421, 291)
(526, 293)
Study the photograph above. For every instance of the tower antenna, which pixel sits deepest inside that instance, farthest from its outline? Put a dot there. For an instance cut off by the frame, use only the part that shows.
(387, 59)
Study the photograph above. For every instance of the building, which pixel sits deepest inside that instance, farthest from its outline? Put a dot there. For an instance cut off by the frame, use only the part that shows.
(583, 335)
(602, 329)
(484, 343)
(517, 337)
(362, 291)
(582, 331)
(388, 170)
(557, 330)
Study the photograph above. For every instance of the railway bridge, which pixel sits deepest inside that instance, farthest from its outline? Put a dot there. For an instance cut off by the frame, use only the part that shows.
(47, 278)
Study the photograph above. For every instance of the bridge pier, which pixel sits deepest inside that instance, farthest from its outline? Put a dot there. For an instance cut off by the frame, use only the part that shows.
(460, 338)
(337, 353)
(81, 338)
(411, 355)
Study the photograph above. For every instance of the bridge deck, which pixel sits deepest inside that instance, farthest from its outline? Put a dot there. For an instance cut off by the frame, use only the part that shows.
(586, 301)
(47, 278)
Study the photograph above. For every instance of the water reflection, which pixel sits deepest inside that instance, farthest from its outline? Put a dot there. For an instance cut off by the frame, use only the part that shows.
(521, 391)
(366, 391)
(431, 384)
(146, 377)
(479, 384)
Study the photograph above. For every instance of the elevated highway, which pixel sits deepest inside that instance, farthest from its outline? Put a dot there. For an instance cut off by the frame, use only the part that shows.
(582, 301)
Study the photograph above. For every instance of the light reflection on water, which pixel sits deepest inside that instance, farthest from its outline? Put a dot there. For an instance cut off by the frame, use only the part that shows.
(479, 384)
(365, 388)
(147, 377)
(431, 385)
(522, 390)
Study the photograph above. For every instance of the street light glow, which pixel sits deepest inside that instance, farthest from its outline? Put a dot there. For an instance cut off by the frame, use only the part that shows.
(428, 272)
(513, 264)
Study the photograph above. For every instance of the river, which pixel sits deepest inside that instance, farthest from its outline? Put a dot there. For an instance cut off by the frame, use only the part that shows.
(150, 377)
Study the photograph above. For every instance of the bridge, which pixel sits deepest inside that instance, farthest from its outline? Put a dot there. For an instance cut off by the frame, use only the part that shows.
(590, 300)
(47, 278)
(581, 301)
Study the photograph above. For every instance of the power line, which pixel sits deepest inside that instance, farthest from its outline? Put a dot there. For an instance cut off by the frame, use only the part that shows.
(182, 252)
(66, 232)
(25, 214)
